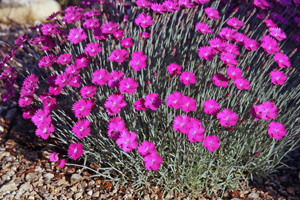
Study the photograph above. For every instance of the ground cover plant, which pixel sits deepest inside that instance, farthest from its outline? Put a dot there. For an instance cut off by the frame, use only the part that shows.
(191, 96)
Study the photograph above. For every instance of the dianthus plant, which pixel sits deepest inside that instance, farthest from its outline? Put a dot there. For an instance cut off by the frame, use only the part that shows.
(191, 96)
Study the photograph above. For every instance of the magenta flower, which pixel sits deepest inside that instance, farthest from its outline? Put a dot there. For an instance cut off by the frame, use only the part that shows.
(44, 131)
(211, 143)
(269, 45)
(217, 43)
(207, 53)
(174, 69)
(82, 60)
(64, 59)
(269, 23)
(188, 104)
(118, 55)
(144, 35)
(235, 23)
(100, 77)
(211, 107)
(229, 59)
(187, 78)
(175, 100)
(92, 49)
(158, 8)
(75, 150)
(82, 128)
(231, 48)
(140, 104)
(114, 104)
(115, 78)
(138, 61)
(220, 80)
(41, 117)
(186, 3)
(242, 84)
(73, 70)
(53, 157)
(143, 3)
(263, 4)
(71, 17)
(76, 81)
(28, 113)
(182, 124)
(212, 13)
(234, 73)
(127, 42)
(255, 113)
(146, 148)
(153, 161)
(49, 103)
(278, 77)
(228, 33)
(88, 91)
(277, 33)
(49, 29)
(91, 23)
(201, 1)
(99, 35)
(76, 35)
(109, 27)
(227, 118)
(127, 141)
(54, 90)
(118, 34)
(47, 61)
(267, 110)
(25, 101)
(251, 44)
(276, 130)
(128, 85)
(196, 133)
(61, 163)
(116, 126)
(152, 101)
(63, 79)
(203, 28)
(282, 60)
(143, 20)
(240, 38)
(82, 108)
(171, 6)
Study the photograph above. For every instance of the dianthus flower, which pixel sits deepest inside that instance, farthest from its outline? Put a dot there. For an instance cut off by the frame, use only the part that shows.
(41, 117)
(212, 13)
(240, 38)
(115, 78)
(188, 104)
(82, 60)
(88, 91)
(263, 4)
(143, 20)
(49, 103)
(82, 128)
(54, 90)
(64, 59)
(153, 161)
(75, 150)
(71, 17)
(235, 23)
(217, 43)
(82, 108)
(201, 1)
(152, 101)
(269, 23)
(99, 35)
(276, 130)
(76, 35)
(118, 34)
(227, 117)
(140, 104)
(61, 163)
(174, 69)
(53, 157)
(278, 77)
(254, 112)
(73, 70)
(44, 131)
(277, 33)
(92, 49)
(47, 61)
(7, 73)
(28, 113)
(144, 35)
(251, 44)
(196, 133)
(211, 107)
(143, 3)
(203, 28)
(282, 60)
(207, 53)
(114, 104)
(158, 8)
(100, 77)
(211, 143)
(227, 33)
(182, 124)
(187, 78)
(49, 29)
(175, 100)
(128, 85)
(242, 84)
(269, 45)
(138, 61)
(63, 79)
(146, 148)
(229, 59)
(91, 23)
(118, 55)
(231, 48)
(171, 6)
(186, 3)
(116, 126)
(220, 80)
(127, 42)
(109, 27)
(127, 141)
(76, 81)
(267, 110)
(25, 101)
(234, 73)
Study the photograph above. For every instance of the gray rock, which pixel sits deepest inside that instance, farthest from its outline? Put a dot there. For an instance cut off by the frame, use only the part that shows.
(76, 178)
(11, 114)
(5, 177)
(48, 177)
(96, 194)
(253, 195)
(10, 173)
(90, 192)
(26, 187)
(32, 177)
(235, 199)
(77, 195)
(9, 187)
(9, 158)
(14, 168)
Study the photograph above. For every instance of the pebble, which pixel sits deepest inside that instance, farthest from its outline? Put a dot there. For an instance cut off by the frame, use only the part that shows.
(48, 177)
(76, 178)
(5, 177)
(8, 187)
(9, 158)
(96, 194)
(90, 192)
(10, 173)
(253, 195)
(31, 177)
(77, 195)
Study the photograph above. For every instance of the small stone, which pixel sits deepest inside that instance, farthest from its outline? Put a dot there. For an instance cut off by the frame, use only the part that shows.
(96, 194)
(290, 190)
(62, 182)
(5, 177)
(253, 195)
(31, 198)
(90, 192)
(48, 177)
(77, 195)
(11, 186)
(11, 114)
(76, 178)
(14, 168)
(235, 198)
(10, 173)
(8, 158)
(31, 177)
(1, 129)
(92, 183)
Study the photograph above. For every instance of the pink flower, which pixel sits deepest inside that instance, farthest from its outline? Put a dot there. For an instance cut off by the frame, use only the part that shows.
(75, 150)
(28, 113)
(269, 45)
(171, 6)
(182, 124)
(196, 133)
(143, 20)
(100, 77)
(227, 118)
(41, 117)
(82, 108)
(175, 100)
(229, 59)
(203, 28)
(114, 104)
(53, 157)
(187, 78)
(138, 61)
(76, 35)
(217, 43)
(73, 70)
(99, 35)
(116, 126)
(25, 101)
(269, 23)
(211, 142)
(61, 163)
(276, 130)
(242, 84)
(212, 13)
(220, 80)
(71, 17)
(228, 33)
(63, 79)
(109, 27)
(118, 34)
(231, 48)
(235, 23)
(234, 73)
(44, 130)
(143, 3)
(153, 161)
(64, 59)
(263, 4)
(188, 104)
(174, 69)
(207, 53)
(76, 81)
(91, 23)
(158, 8)
(49, 103)
(277, 33)
(49, 29)
(127, 141)
(201, 1)
(128, 85)
(146, 148)
(144, 35)
(118, 55)
(152, 101)
(278, 77)
(211, 107)
(88, 91)
(282, 60)
(92, 49)
(115, 78)
(127, 42)
(251, 44)
(254, 112)
(267, 110)
(186, 3)
(82, 60)
(140, 104)
(82, 128)
(240, 38)
(47, 61)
